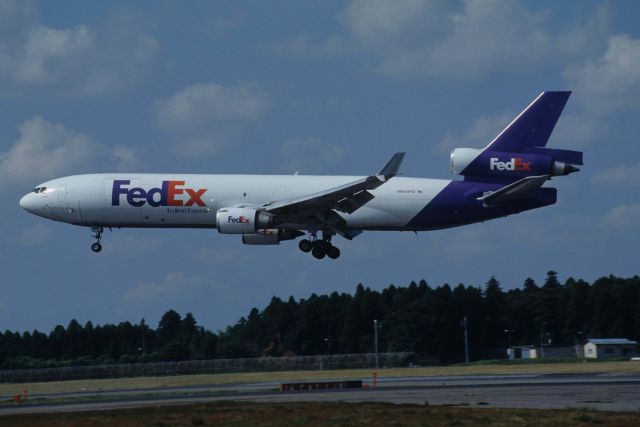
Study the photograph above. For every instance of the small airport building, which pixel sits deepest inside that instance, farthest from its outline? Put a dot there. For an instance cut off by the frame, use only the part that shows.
(522, 352)
(533, 352)
(604, 348)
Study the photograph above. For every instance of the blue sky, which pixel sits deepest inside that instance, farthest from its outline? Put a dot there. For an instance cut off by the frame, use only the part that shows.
(321, 87)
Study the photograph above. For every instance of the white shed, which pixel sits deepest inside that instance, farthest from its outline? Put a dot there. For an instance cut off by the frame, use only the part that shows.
(604, 348)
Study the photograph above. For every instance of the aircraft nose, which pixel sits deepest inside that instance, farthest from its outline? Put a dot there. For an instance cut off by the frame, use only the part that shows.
(27, 202)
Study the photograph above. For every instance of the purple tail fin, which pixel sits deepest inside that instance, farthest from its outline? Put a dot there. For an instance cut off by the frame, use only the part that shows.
(533, 126)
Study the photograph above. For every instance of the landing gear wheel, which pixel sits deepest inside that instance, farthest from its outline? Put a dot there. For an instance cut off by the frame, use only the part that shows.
(97, 234)
(305, 245)
(333, 252)
(319, 249)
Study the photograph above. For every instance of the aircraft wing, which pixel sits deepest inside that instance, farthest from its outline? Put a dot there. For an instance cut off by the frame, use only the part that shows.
(514, 191)
(344, 198)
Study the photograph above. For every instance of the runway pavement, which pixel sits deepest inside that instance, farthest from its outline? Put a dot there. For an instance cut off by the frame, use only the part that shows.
(618, 392)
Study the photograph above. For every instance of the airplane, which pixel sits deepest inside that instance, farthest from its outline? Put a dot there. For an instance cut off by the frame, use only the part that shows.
(501, 179)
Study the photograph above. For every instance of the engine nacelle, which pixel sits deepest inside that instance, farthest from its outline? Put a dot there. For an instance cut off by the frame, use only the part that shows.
(461, 158)
(499, 164)
(269, 236)
(242, 220)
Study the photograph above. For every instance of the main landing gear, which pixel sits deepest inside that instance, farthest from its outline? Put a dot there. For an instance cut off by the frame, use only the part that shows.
(97, 234)
(319, 248)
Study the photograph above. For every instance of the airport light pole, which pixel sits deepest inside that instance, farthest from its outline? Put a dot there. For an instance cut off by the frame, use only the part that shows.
(509, 332)
(576, 348)
(375, 339)
(466, 340)
(328, 341)
(541, 340)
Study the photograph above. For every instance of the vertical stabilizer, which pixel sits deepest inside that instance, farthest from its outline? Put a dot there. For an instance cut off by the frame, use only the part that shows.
(533, 126)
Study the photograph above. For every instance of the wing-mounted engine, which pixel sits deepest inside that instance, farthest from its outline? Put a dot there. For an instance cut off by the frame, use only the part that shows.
(533, 161)
(270, 236)
(243, 220)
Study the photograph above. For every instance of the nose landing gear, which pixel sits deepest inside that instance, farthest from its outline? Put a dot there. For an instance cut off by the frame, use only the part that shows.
(97, 234)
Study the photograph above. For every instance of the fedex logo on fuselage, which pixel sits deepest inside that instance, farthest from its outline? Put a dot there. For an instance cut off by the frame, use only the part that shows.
(515, 164)
(170, 193)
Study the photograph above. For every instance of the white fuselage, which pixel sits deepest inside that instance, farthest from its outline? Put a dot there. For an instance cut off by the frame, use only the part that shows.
(504, 178)
(192, 200)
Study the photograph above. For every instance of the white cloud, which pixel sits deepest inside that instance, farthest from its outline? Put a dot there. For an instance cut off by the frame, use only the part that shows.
(178, 288)
(172, 285)
(44, 46)
(602, 87)
(466, 39)
(204, 117)
(46, 150)
(122, 54)
(199, 105)
(125, 158)
(481, 132)
(310, 155)
(624, 216)
(610, 83)
(79, 60)
(386, 25)
(207, 143)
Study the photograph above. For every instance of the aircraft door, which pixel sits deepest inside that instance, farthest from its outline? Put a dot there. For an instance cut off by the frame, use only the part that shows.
(69, 207)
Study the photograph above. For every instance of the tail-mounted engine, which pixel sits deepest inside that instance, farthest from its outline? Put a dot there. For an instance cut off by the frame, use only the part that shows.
(243, 220)
(471, 162)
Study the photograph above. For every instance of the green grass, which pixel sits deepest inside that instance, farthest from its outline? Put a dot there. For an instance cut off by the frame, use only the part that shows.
(322, 414)
(545, 361)
(10, 389)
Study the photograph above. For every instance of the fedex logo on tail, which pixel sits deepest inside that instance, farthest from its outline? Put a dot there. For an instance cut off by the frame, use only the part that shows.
(515, 164)
(170, 193)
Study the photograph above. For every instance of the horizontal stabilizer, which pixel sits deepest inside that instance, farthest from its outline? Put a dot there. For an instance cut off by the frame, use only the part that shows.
(567, 156)
(517, 190)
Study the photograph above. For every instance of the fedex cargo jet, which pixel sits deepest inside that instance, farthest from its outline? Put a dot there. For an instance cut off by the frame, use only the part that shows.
(506, 177)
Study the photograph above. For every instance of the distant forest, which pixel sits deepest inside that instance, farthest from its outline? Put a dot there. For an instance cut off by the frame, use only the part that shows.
(416, 318)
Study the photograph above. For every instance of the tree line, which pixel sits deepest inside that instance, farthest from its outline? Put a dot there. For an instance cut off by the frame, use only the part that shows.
(174, 339)
(416, 318)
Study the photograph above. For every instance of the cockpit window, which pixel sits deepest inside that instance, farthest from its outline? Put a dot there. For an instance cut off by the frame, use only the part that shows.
(39, 190)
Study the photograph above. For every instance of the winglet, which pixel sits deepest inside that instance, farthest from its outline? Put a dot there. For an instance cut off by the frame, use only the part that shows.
(391, 168)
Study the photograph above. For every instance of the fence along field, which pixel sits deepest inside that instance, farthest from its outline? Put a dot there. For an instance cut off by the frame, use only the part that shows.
(214, 366)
